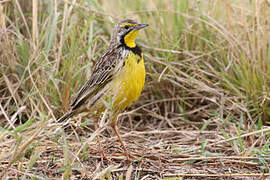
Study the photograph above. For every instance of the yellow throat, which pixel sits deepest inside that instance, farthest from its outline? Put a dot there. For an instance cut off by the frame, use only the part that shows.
(130, 38)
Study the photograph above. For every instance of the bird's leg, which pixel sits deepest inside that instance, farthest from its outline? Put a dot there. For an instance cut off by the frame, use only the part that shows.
(113, 124)
(100, 148)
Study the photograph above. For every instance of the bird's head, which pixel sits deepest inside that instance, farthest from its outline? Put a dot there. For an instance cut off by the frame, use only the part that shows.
(125, 32)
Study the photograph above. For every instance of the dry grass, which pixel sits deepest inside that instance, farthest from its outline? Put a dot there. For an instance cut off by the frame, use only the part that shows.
(203, 114)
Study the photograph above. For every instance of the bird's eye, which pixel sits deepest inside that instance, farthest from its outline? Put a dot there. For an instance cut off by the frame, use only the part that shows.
(126, 26)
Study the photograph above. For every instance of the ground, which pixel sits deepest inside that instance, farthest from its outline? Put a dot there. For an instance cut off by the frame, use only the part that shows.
(162, 149)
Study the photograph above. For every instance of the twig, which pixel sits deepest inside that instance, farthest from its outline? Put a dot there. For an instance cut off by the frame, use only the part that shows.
(24, 20)
(28, 174)
(233, 138)
(215, 175)
(6, 116)
(219, 158)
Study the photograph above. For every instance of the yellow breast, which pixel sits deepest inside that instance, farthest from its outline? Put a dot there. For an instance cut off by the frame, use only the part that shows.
(128, 84)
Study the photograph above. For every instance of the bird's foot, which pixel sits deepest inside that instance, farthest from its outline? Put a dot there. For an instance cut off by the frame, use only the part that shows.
(129, 158)
(104, 156)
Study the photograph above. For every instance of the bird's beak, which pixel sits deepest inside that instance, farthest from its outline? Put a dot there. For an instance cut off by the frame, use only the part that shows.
(140, 26)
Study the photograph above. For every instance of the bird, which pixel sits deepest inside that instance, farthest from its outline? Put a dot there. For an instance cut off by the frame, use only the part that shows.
(118, 77)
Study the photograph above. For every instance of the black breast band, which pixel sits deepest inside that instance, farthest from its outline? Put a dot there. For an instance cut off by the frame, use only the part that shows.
(136, 50)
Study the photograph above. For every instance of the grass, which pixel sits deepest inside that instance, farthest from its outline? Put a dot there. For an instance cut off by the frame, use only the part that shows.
(204, 112)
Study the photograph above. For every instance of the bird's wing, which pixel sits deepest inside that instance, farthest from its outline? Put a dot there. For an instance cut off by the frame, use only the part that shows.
(106, 67)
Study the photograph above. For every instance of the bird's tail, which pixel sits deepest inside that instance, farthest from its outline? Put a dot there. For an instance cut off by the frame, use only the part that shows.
(66, 116)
